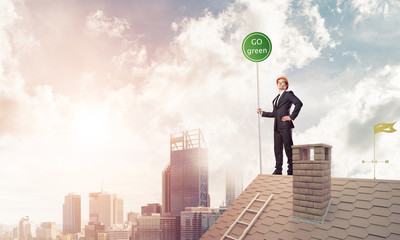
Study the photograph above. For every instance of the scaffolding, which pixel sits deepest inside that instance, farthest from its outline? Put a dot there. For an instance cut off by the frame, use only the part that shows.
(187, 140)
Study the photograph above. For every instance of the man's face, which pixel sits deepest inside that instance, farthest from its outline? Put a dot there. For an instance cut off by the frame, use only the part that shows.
(281, 84)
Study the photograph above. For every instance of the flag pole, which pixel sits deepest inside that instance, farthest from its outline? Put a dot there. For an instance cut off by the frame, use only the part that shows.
(374, 154)
(258, 119)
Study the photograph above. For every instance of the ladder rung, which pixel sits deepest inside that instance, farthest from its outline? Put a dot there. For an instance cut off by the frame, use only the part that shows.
(252, 211)
(243, 223)
(260, 200)
(227, 236)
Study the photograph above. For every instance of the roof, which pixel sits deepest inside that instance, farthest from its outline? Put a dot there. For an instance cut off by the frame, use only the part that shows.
(360, 209)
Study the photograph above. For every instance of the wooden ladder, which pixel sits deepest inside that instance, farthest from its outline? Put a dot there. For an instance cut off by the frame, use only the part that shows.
(249, 225)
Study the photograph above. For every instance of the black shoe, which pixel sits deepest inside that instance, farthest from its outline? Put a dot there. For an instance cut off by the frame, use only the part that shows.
(277, 173)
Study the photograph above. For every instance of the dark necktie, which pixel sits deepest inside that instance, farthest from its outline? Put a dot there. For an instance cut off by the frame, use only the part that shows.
(276, 100)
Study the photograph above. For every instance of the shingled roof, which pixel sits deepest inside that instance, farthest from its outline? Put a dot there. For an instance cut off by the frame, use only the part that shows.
(360, 209)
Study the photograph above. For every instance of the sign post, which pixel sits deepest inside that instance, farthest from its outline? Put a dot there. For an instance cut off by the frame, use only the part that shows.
(257, 47)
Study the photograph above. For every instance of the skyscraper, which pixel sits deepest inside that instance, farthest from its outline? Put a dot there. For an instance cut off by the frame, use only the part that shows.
(132, 216)
(118, 208)
(72, 214)
(150, 209)
(106, 208)
(185, 179)
(94, 207)
(26, 229)
(158, 227)
(46, 231)
(166, 191)
(234, 186)
(195, 221)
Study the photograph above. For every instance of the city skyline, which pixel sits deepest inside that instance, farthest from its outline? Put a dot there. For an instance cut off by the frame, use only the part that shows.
(91, 90)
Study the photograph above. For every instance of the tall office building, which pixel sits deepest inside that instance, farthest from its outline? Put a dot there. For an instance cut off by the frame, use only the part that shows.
(72, 214)
(94, 207)
(158, 227)
(26, 229)
(118, 208)
(195, 221)
(106, 208)
(119, 234)
(132, 216)
(150, 209)
(166, 191)
(234, 186)
(92, 231)
(185, 180)
(46, 231)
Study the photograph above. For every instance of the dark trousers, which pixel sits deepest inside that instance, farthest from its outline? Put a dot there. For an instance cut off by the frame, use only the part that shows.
(283, 138)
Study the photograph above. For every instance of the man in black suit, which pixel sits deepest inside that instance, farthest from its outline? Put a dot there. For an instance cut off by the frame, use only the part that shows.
(283, 123)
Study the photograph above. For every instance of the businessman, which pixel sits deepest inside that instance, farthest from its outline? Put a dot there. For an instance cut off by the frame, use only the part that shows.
(283, 123)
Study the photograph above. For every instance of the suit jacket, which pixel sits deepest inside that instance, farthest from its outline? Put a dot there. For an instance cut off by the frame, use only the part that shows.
(285, 102)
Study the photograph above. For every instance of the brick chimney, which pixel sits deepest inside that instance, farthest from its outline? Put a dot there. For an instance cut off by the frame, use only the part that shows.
(311, 182)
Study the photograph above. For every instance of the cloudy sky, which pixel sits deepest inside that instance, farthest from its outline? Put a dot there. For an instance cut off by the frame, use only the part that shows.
(91, 90)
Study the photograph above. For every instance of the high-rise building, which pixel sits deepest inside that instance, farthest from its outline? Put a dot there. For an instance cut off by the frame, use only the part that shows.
(103, 236)
(106, 208)
(166, 191)
(195, 221)
(46, 231)
(15, 233)
(118, 208)
(158, 227)
(185, 180)
(132, 216)
(234, 186)
(119, 234)
(94, 207)
(26, 229)
(92, 231)
(72, 214)
(150, 209)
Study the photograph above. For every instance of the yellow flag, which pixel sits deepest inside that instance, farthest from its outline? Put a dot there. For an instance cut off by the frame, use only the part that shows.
(384, 127)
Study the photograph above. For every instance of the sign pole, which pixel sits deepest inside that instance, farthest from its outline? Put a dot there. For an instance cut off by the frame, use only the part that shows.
(257, 47)
(258, 118)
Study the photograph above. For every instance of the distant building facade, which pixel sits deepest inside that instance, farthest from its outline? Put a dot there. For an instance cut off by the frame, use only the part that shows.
(234, 186)
(195, 221)
(26, 229)
(132, 216)
(94, 207)
(106, 208)
(72, 214)
(118, 208)
(185, 179)
(119, 234)
(92, 231)
(46, 231)
(150, 209)
(157, 227)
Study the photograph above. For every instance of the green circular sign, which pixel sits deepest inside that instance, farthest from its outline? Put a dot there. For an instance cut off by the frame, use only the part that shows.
(256, 47)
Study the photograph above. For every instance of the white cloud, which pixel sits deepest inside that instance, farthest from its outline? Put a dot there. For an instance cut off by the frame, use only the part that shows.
(321, 33)
(353, 54)
(98, 23)
(369, 8)
(348, 127)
